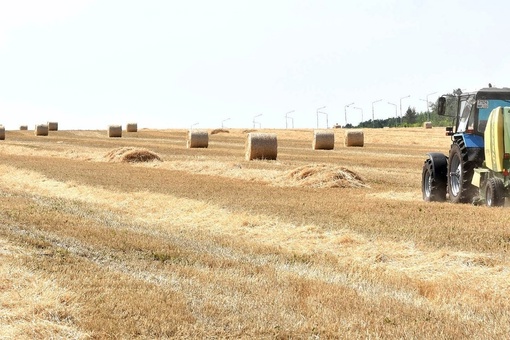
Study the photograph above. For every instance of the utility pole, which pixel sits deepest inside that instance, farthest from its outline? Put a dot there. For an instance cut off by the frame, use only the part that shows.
(224, 120)
(401, 107)
(254, 122)
(396, 114)
(317, 114)
(373, 112)
(345, 111)
(287, 118)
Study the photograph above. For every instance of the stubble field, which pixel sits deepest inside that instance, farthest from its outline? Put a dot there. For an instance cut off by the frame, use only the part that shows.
(204, 244)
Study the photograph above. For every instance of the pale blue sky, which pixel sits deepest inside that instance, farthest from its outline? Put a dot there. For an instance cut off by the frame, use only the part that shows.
(171, 64)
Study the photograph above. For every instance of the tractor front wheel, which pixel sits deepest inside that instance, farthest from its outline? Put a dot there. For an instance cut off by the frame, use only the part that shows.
(494, 192)
(433, 188)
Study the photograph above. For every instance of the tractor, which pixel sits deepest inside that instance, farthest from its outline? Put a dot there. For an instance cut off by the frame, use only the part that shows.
(476, 169)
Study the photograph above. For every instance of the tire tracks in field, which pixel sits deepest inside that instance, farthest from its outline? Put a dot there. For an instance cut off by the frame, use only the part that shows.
(373, 268)
(32, 306)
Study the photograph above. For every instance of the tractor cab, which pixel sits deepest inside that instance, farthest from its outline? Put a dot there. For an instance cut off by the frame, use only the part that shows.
(471, 110)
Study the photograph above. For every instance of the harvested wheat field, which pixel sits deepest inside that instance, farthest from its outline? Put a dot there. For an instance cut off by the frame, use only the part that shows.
(142, 237)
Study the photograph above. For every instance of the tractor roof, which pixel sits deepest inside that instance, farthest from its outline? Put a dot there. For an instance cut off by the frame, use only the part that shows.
(491, 92)
(495, 89)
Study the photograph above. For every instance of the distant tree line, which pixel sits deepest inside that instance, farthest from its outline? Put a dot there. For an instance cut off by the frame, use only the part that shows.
(410, 119)
(415, 119)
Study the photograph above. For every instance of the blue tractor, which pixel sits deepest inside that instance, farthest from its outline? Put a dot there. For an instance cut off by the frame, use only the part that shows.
(463, 176)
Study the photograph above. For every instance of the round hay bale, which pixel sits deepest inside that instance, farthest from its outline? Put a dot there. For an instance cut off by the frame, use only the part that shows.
(354, 138)
(41, 130)
(132, 127)
(323, 140)
(23, 127)
(427, 125)
(115, 131)
(2, 132)
(261, 146)
(197, 139)
(52, 126)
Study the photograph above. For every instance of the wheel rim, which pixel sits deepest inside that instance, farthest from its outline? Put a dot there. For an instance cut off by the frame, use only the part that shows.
(488, 196)
(427, 183)
(455, 176)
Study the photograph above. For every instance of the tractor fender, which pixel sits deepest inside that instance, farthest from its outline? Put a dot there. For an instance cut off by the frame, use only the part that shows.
(472, 141)
(439, 165)
(474, 145)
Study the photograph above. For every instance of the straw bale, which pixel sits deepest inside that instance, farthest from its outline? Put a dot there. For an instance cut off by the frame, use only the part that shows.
(2, 132)
(323, 140)
(132, 127)
(261, 146)
(52, 126)
(354, 138)
(197, 139)
(23, 127)
(115, 131)
(41, 130)
(427, 125)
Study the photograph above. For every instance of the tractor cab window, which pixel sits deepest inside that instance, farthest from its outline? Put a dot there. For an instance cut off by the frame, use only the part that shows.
(467, 117)
(485, 107)
(451, 106)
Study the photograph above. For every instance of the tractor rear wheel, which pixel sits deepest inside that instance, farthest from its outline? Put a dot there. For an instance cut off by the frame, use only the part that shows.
(433, 188)
(460, 173)
(494, 192)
